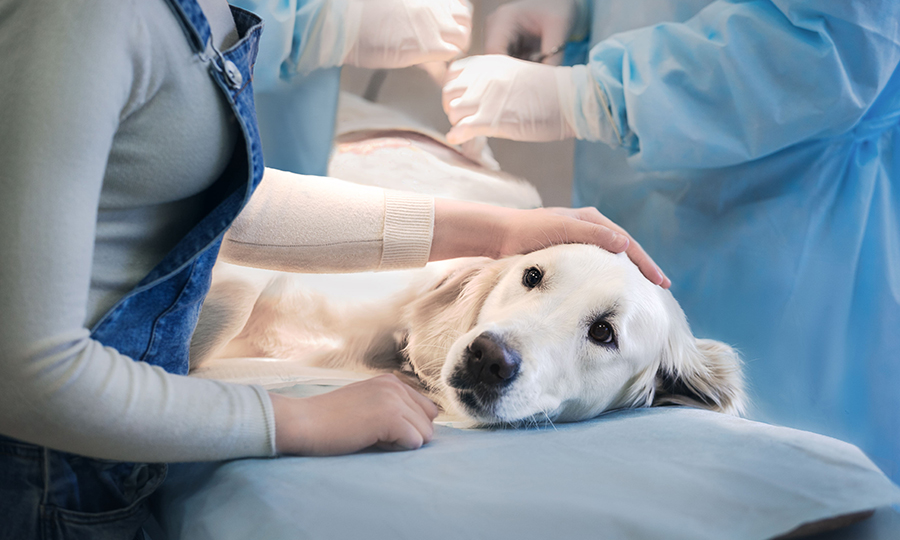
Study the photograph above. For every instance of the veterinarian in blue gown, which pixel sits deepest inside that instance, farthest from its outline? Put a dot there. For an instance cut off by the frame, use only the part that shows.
(752, 148)
(306, 41)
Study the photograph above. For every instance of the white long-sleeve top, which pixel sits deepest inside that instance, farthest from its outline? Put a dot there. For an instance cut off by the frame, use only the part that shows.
(111, 132)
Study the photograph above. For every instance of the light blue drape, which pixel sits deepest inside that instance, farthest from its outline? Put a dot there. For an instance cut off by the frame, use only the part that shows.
(757, 166)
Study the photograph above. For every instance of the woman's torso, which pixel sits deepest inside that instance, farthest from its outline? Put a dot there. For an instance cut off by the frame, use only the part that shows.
(176, 135)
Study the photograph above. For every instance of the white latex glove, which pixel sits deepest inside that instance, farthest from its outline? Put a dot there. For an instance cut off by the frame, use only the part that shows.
(401, 33)
(533, 30)
(500, 96)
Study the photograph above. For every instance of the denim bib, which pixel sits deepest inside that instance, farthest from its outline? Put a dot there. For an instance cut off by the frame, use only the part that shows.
(60, 495)
(153, 323)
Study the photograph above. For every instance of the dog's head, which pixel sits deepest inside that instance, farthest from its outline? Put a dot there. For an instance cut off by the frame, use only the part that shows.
(563, 334)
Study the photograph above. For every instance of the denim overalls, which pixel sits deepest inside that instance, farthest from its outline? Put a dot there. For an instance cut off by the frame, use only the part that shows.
(54, 495)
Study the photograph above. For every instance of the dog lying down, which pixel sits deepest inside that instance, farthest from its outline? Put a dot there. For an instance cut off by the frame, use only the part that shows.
(561, 334)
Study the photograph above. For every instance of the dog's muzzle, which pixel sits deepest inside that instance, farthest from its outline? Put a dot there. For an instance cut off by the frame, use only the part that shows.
(488, 366)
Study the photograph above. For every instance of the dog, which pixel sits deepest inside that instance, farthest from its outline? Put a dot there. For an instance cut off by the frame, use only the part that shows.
(562, 334)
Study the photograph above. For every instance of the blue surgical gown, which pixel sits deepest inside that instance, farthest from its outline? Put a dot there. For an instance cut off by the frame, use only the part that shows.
(296, 109)
(759, 164)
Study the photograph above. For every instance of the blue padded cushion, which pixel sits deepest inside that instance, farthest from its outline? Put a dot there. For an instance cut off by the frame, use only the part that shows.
(664, 473)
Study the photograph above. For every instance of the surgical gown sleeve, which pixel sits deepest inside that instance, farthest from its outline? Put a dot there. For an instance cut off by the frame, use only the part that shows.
(300, 36)
(741, 80)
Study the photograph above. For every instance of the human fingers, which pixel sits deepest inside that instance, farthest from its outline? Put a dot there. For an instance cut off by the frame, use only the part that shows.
(614, 239)
(635, 251)
(451, 91)
(461, 104)
(456, 31)
(461, 11)
(473, 99)
(403, 406)
(403, 436)
(646, 265)
(442, 52)
(443, 29)
(467, 129)
(418, 413)
(423, 426)
(456, 67)
(428, 407)
(454, 86)
(584, 232)
(541, 228)
(406, 431)
(463, 107)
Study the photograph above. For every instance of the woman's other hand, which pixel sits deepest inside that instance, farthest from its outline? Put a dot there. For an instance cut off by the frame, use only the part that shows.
(381, 412)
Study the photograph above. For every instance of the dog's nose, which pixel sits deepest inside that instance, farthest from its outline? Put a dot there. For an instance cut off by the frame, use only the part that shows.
(489, 361)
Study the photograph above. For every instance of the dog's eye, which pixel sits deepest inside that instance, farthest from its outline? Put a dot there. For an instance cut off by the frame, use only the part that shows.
(532, 277)
(601, 332)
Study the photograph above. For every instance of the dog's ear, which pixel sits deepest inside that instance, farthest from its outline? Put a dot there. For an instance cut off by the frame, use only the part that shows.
(701, 373)
(456, 297)
(446, 309)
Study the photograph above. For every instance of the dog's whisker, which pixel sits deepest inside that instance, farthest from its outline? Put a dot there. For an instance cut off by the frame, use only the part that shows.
(549, 240)
(549, 421)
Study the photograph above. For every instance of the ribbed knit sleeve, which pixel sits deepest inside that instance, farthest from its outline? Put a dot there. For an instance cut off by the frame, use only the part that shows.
(303, 223)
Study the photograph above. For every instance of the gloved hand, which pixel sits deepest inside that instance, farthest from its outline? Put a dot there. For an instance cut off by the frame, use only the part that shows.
(499, 96)
(366, 33)
(401, 33)
(533, 30)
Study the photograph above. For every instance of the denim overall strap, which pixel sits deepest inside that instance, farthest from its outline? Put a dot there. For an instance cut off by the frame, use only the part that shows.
(153, 323)
(46, 494)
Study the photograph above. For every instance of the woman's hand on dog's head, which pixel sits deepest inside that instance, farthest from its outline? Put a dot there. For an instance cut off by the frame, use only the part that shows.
(382, 412)
(634, 250)
(464, 229)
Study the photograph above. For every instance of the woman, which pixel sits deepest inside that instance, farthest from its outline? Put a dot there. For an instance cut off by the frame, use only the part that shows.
(129, 148)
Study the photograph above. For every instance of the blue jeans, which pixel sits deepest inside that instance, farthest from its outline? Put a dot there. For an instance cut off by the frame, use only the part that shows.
(54, 495)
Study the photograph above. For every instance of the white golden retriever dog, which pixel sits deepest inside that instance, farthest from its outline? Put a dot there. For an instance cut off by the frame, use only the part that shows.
(561, 334)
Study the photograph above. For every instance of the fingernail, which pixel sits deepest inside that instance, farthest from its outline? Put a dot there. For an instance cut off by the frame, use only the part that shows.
(663, 280)
(619, 242)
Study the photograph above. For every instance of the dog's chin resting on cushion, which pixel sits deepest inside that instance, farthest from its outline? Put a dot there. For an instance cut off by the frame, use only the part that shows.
(560, 334)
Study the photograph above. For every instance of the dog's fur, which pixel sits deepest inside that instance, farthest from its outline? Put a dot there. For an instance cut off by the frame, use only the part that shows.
(485, 342)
